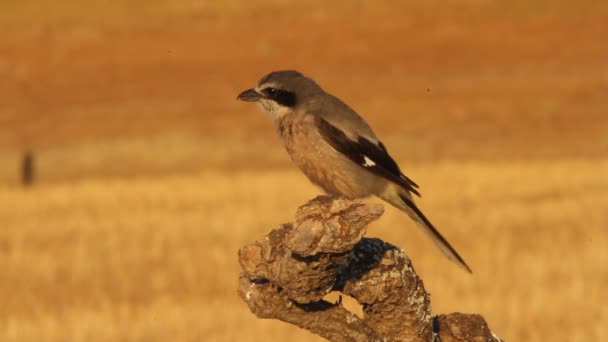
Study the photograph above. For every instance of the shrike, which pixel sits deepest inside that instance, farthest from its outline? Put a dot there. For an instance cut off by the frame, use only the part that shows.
(335, 148)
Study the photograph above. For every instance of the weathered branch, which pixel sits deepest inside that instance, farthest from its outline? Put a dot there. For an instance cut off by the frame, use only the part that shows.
(287, 273)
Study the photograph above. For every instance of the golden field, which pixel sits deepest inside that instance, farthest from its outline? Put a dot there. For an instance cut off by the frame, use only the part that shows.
(150, 175)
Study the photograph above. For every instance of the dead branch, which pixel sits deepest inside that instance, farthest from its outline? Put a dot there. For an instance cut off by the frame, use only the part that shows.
(287, 273)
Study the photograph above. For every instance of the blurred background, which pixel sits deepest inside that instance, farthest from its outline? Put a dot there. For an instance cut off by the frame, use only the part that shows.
(146, 175)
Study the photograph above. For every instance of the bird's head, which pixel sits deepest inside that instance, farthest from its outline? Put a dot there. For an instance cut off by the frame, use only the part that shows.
(281, 93)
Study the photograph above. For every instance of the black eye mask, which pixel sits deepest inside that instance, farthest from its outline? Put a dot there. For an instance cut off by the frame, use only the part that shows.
(282, 97)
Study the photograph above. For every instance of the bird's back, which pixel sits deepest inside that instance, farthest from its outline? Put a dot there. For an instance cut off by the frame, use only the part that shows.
(342, 116)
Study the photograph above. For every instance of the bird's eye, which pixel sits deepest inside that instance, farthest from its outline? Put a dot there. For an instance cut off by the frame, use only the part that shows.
(271, 92)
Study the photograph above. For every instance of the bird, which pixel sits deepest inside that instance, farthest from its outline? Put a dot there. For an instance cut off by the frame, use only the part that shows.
(336, 148)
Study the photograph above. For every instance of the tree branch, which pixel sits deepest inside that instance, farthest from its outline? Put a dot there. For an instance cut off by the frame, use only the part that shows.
(287, 273)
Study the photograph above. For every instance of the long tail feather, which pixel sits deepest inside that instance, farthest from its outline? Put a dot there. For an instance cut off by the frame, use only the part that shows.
(405, 203)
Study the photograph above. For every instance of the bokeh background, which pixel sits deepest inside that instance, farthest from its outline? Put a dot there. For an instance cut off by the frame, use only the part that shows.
(150, 176)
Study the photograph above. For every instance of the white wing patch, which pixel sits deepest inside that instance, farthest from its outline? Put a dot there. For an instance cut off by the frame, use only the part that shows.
(368, 162)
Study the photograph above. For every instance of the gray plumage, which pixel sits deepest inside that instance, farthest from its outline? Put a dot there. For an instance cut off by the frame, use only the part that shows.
(335, 148)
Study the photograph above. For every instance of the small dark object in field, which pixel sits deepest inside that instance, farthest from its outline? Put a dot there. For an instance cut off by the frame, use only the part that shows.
(27, 169)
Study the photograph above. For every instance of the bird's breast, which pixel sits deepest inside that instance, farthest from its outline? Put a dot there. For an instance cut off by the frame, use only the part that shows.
(324, 166)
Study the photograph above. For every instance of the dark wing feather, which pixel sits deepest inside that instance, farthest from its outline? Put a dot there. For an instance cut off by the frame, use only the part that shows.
(358, 151)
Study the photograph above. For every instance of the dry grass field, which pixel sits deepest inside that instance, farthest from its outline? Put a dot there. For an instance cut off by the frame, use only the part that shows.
(150, 175)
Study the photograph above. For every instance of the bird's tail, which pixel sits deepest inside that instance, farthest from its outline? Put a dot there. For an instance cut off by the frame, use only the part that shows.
(403, 200)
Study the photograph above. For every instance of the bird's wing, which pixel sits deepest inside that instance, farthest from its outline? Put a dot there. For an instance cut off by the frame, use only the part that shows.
(370, 155)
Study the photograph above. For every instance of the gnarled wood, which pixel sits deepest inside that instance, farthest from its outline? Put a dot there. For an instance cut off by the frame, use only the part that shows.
(287, 273)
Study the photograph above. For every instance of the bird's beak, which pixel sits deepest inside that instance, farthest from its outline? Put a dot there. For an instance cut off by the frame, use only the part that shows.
(249, 95)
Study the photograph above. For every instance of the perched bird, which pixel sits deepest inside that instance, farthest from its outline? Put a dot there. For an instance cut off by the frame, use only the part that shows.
(335, 148)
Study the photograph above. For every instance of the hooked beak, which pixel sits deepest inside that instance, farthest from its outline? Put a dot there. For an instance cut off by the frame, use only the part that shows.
(249, 95)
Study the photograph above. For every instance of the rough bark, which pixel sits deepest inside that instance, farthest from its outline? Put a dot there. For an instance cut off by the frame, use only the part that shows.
(287, 273)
